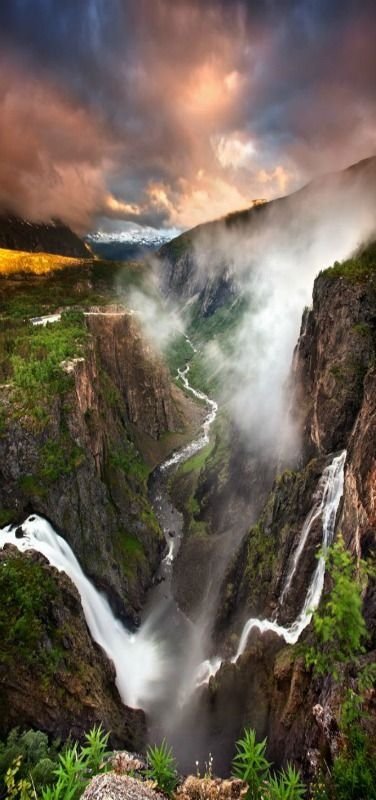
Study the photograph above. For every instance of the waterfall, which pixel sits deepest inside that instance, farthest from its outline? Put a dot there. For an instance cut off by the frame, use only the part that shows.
(332, 478)
(326, 504)
(145, 661)
(138, 657)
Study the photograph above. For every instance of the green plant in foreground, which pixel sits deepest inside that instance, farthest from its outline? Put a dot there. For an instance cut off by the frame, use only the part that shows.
(162, 767)
(250, 764)
(286, 786)
(77, 765)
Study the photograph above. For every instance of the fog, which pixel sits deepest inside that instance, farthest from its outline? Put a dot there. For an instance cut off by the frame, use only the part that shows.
(274, 258)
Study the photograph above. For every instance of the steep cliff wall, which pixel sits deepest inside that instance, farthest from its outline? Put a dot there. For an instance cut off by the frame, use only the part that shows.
(334, 379)
(71, 455)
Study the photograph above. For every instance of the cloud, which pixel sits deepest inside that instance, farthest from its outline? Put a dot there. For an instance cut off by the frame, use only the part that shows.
(233, 151)
(255, 98)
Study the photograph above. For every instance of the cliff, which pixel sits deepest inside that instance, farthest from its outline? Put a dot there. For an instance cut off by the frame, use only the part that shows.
(52, 675)
(334, 382)
(41, 237)
(71, 439)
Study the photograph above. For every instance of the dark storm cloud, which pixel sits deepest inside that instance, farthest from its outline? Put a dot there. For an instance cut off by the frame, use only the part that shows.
(188, 109)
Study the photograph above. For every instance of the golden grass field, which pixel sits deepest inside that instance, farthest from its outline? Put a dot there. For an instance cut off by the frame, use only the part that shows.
(13, 261)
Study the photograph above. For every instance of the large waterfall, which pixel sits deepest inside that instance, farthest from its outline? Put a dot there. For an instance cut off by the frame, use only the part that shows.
(138, 658)
(155, 661)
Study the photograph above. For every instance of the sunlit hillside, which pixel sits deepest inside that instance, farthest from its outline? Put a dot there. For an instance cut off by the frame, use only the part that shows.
(13, 261)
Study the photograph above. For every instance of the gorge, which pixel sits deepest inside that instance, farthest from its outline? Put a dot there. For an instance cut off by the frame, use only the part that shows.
(185, 494)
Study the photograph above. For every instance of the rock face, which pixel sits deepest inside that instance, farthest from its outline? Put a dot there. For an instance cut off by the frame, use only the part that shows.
(95, 494)
(53, 677)
(268, 688)
(151, 400)
(334, 353)
(52, 237)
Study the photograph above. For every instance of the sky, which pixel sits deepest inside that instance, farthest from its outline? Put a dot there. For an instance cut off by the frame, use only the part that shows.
(172, 112)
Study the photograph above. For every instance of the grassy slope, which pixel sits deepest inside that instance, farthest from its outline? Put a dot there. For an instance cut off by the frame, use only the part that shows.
(17, 261)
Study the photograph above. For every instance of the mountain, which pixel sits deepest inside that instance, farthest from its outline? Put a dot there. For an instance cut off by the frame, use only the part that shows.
(206, 263)
(133, 243)
(41, 237)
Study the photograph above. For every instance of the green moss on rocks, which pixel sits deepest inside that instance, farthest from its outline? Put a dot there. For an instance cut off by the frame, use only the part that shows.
(25, 624)
(356, 269)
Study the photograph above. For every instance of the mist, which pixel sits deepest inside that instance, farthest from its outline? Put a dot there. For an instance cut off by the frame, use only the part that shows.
(273, 259)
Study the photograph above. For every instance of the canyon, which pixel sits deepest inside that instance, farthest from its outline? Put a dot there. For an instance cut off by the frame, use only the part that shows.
(185, 502)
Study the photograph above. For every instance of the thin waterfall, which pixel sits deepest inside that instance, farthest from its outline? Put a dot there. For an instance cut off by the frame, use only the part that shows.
(333, 493)
(326, 506)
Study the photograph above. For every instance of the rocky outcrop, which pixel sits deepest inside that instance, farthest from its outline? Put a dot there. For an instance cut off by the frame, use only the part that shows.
(112, 786)
(151, 400)
(41, 237)
(334, 353)
(53, 677)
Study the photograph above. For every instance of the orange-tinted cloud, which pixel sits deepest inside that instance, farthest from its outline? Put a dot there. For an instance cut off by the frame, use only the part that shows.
(172, 112)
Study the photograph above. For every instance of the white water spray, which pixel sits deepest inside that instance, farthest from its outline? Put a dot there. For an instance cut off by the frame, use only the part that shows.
(138, 657)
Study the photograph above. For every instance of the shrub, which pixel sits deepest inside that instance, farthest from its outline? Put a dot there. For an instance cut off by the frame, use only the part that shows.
(77, 765)
(286, 786)
(250, 764)
(339, 626)
(162, 768)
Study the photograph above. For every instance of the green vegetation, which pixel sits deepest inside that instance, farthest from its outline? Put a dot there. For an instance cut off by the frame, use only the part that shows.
(162, 768)
(130, 462)
(339, 626)
(59, 457)
(76, 766)
(6, 516)
(130, 553)
(31, 768)
(250, 765)
(197, 461)
(356, 269)
(39, 351)
(32, 755)
(26, 592)
(339, 636)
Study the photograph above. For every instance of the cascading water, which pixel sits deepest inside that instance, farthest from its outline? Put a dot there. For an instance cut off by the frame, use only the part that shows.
(138, 657)
(327, 500)
(154, 663)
